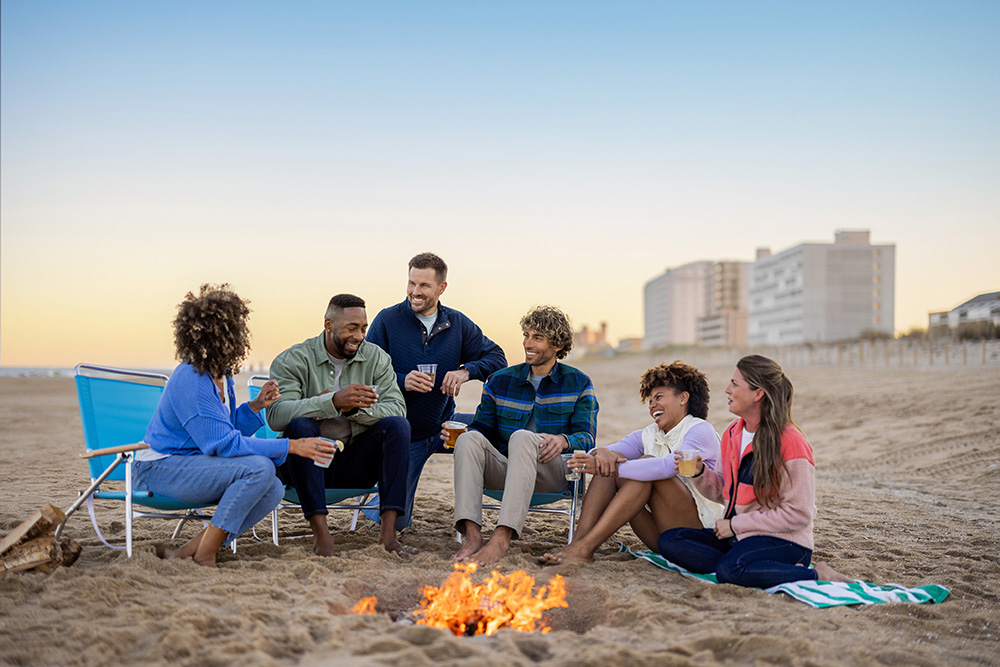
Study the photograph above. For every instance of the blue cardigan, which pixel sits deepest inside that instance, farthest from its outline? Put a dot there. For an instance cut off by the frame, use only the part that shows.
(455, 340)
(191, 419)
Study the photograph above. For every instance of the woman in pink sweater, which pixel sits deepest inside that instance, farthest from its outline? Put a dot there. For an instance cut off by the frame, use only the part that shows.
(765, 478)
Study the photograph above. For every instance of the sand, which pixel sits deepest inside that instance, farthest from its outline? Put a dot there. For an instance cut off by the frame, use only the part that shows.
(907, 489)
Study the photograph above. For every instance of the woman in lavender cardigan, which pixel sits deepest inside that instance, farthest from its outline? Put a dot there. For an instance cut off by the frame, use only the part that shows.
(635, 480)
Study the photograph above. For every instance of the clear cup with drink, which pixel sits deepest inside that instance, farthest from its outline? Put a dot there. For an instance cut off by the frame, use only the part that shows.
(454, 429)
(572, 474)
(428, 369)
(687, 463)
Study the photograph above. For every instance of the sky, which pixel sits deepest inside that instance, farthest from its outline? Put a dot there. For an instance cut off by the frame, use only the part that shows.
(557, 153)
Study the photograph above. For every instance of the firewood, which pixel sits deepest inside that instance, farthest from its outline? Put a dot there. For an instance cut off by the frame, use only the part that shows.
(42, 522)
(69, 552)
(39, 551)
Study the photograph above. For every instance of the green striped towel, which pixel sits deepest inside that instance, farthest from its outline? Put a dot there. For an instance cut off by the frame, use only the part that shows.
(818, 594)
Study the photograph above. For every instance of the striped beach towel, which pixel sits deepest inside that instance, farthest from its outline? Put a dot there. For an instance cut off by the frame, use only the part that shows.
(818, 594)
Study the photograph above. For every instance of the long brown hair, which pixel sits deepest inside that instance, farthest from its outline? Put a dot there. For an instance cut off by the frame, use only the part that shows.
(775, 414)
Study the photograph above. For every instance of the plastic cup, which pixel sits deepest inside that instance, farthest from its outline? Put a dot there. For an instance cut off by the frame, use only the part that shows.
(571, 474)
(687, 466)
(374, 387)
(454, 429)
(339, 447)
(429, 369)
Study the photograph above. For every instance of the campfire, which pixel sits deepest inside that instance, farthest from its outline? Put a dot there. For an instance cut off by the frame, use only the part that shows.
(501, 601)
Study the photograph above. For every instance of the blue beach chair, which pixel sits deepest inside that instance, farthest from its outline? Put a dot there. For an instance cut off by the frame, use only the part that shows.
(539, 502)
(116, 405)
(335, 498)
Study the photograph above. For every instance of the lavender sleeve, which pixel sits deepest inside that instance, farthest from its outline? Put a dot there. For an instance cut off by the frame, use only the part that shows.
(701, 438)
(630, 446)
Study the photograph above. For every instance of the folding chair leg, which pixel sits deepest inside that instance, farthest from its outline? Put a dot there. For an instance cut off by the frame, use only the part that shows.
(128, 505)
(85, 497)
(274, 526)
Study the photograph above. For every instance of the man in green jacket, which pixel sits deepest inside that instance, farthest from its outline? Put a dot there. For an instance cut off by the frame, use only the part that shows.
(340, 387)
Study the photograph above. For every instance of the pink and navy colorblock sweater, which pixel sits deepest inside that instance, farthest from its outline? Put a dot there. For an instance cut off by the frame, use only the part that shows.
(731, 483)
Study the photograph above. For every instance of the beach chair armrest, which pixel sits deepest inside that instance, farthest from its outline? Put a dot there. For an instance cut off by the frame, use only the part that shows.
(114, 450)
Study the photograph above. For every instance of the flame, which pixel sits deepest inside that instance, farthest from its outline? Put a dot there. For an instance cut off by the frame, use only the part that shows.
(365, 606)
(498, 602)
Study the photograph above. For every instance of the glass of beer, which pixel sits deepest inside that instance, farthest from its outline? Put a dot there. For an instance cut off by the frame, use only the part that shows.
(571, 474)
(454, 429)
(687, 466)
(428, 369)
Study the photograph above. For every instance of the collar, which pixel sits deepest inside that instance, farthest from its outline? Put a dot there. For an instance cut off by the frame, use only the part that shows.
(442, 312)
(525, 370)
(320, 356)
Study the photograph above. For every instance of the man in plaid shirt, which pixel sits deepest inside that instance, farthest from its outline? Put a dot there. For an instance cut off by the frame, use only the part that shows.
(529, 415)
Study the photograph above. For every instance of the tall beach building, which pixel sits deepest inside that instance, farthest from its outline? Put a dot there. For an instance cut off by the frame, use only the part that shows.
(701, 303)
(822, 292)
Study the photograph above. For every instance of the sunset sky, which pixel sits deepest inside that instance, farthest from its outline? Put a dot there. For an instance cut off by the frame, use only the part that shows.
(550, 152)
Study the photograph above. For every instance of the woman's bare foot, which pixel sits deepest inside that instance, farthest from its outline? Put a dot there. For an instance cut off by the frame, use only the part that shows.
(550, 557)
(188, 550)
(571, 553)
(826, 573)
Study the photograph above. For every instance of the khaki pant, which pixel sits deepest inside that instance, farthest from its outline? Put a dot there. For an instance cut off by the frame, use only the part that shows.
(479, 466)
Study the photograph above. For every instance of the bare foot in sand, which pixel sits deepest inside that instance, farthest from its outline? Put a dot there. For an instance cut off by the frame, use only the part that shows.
(202, 547)
(571, 553)
(496, 548)
(550, 558)
(826, 573)
(394, 546)
(323, 544)
(471, 543)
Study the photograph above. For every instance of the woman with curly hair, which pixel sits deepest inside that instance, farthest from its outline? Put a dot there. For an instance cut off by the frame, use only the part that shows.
(766, 479)
(200, 445)
(635, 480)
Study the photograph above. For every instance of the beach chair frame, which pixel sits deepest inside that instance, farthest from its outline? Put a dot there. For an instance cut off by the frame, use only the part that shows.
(334, 497)
(116, 405)
(539, 501)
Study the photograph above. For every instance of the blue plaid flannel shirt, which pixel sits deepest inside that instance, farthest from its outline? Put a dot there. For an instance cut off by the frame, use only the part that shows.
(565, 404)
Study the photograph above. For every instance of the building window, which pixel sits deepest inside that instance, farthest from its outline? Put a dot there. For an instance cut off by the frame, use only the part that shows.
(876, 280)
(877, 266)
(878, 306)
(875, 320)
(875, 293)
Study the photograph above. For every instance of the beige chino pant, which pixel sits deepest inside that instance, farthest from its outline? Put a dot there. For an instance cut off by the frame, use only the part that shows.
(479, 466)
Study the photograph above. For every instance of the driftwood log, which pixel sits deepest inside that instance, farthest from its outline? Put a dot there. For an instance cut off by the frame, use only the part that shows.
(32, 546)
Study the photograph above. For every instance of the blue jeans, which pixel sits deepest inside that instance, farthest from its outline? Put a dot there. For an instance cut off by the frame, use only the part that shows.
(379, 454)
(759, 561)
(243, 488)
(420, 451)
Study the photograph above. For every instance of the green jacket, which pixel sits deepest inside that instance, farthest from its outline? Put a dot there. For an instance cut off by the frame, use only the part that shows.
(304, 371)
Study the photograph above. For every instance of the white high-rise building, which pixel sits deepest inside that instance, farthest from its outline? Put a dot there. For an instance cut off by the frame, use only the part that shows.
(673, 303)
(823, 292)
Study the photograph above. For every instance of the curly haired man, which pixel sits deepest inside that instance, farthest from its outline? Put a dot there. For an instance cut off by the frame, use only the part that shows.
(529, 414)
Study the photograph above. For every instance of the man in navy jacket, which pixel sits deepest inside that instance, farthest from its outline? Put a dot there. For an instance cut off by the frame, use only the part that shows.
(422, 330)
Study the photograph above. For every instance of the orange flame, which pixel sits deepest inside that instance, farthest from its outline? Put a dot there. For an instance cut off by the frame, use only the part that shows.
(365, 606)
(498, 602)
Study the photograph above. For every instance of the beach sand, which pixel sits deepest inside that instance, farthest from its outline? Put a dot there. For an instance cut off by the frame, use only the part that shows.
(908, 492)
